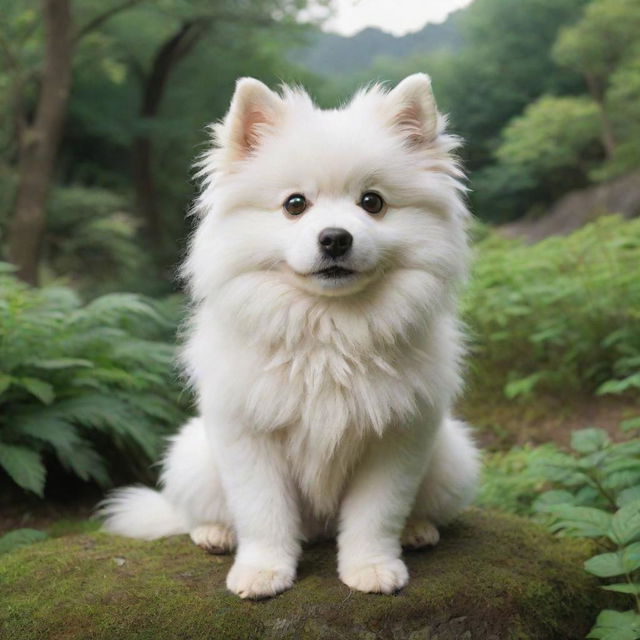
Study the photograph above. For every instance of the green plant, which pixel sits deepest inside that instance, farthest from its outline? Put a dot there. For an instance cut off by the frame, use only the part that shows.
(564, 313)
(20, 538)
(93, 240)
(83, 384)
(597, 495)
(512, 480)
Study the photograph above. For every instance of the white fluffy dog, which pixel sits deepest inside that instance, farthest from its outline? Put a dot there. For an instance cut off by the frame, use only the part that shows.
(324, 345)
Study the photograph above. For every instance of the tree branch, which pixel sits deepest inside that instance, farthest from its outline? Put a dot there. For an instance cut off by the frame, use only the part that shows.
(102, 18)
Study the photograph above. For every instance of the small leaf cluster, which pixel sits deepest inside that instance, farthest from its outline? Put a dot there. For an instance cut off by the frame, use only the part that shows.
(597, 495)
(20, 538)
(513, 480)
(83, 385)
(561, 313)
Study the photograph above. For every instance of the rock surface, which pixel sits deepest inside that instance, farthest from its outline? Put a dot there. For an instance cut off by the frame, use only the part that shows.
(492, 577)
(577, 208)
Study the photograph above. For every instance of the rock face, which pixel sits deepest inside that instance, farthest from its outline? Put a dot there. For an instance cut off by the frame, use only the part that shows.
(577, 208)
(492, 577)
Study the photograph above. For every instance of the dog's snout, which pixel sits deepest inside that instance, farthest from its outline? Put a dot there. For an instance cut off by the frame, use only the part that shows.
(335, 242)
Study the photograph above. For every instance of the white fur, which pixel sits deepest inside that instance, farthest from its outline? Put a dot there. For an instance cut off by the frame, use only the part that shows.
(324, 402)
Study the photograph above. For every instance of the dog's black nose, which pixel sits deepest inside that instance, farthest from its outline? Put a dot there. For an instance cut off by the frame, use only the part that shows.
(335, 242)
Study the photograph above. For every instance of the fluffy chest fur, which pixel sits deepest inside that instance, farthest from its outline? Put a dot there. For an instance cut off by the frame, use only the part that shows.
(323, 376)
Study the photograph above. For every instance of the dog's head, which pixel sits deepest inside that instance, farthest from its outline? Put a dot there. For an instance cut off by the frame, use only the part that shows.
(329, 202)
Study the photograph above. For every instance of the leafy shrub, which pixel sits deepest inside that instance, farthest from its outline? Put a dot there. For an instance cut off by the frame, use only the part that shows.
(592, 491)
(93, 240)
(543, 153)
(83, 384)
(597, 495)
(512, 480)
(562, 314)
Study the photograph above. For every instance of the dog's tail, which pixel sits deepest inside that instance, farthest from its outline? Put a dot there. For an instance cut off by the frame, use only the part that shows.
(139, 512)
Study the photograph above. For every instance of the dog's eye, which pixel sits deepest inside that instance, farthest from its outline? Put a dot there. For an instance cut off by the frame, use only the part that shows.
(295, 204)
(371, 202)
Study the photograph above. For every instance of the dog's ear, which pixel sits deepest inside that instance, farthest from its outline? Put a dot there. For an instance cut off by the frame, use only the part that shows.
(414, 109)
(254, 109)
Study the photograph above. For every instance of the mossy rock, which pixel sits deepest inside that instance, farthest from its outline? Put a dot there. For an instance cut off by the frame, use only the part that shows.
(491, 577)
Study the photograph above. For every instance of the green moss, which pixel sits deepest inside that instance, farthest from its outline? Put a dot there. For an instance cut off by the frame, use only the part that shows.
(491, 576)
(68, 526)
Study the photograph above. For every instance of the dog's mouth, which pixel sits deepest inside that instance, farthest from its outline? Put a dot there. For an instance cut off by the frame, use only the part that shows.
(333, 273)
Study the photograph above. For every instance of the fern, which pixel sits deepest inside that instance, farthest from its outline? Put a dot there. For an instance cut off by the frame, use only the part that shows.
(82, 384)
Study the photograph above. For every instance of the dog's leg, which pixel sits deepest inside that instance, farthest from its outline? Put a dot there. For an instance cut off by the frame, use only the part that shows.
(214, 537)
(375, 509)
(419, 533)
(262, 501)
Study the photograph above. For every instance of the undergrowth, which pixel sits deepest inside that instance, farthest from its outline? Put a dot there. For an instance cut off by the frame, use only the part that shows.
(591, 491)
(561, 315)
(82, 385)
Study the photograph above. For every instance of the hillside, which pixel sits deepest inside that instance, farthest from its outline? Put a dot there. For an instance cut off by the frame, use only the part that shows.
(330, 53)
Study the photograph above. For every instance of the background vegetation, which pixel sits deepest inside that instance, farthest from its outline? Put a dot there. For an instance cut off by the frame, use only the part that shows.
(103, 108)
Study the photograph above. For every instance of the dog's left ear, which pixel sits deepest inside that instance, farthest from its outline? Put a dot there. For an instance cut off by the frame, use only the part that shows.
(254, 110)
(414, 109)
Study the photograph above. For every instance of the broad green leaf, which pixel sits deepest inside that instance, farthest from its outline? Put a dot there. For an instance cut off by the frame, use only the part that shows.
(24, 466)
(550, 499)
(20, 538)
(522, 386)
(629, 449)
(589, 440)
(631, 557)
(619, 480)
(624, 587)
(628, 495)
(588, 496)
(625, 524)
(605, 565)
(619, 386)
(60, 363)
(616, 625)
(630, 424)
(593, 460)
(580, 521)
(38, 388)
(622, 464)
(73, 451)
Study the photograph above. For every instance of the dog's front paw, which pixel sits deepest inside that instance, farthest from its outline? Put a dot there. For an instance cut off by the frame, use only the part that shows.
(376, 577)
(420, 533)
(256, 583)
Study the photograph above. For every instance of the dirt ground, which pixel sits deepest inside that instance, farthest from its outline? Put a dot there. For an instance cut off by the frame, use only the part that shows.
(501, 425)
(58, 515)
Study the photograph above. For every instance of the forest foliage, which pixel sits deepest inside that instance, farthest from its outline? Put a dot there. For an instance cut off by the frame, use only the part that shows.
(83, 382)
(544, 92)
(567, 307)
(103, 108)
(82, 385)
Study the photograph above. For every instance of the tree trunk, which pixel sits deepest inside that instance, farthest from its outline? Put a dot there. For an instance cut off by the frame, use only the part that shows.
(39, 143)
(167, 56)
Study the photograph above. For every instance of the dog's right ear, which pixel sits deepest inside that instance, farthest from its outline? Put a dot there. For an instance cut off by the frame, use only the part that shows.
(254, 110)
